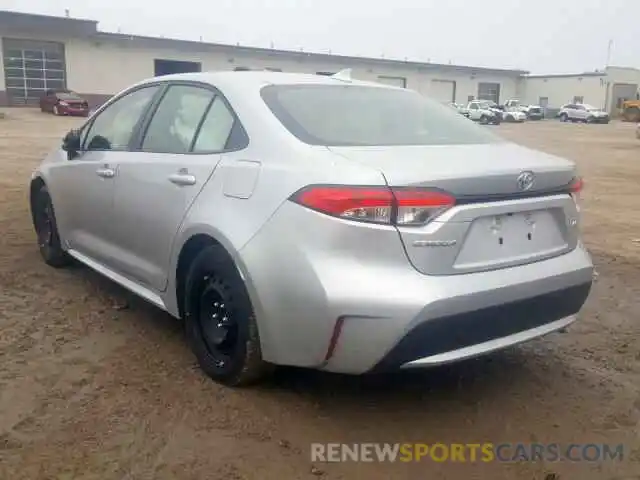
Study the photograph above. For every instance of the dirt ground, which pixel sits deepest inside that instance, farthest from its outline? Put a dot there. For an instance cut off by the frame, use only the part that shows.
(92, 390)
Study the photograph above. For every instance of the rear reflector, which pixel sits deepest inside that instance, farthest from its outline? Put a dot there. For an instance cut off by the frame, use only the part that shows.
(384, 205)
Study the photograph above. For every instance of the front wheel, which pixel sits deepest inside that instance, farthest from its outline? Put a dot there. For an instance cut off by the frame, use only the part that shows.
(44, 220)
(220, 322)
(56, 110)
(564, 117)
(483, 120)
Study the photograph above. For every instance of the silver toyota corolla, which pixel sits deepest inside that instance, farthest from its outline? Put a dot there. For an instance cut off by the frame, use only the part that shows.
(315, 221)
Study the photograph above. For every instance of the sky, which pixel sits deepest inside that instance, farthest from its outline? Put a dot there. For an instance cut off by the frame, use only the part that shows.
(542, 36)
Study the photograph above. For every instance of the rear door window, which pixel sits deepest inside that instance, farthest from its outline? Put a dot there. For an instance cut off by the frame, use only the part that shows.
(177, 119)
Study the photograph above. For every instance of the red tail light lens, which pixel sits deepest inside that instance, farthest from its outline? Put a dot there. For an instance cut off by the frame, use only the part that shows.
(384, 205)
(576, 185)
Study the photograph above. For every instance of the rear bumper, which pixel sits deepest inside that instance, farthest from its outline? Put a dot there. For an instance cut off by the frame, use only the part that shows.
(307, 282)
(465, 335)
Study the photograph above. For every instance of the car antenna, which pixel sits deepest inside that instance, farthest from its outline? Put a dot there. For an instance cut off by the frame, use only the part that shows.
(344, 75)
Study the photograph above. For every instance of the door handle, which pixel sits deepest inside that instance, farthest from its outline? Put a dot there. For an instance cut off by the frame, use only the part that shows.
(106, 172)
(182, 179)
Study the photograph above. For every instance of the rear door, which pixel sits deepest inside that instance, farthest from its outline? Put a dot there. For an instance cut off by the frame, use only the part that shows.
(180, 146)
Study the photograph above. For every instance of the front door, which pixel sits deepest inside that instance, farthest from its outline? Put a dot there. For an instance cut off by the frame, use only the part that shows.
(89, 178)
(156, 186)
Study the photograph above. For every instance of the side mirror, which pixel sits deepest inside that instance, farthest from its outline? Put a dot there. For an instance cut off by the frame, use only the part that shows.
(71, 144)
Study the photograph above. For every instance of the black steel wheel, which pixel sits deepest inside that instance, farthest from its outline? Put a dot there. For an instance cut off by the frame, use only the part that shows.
(44, 221)
(220, 322)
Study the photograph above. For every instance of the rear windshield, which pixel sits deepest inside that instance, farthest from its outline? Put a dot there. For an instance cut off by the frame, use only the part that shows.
(356, 115)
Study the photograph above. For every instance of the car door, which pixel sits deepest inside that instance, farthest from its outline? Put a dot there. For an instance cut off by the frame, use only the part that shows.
(85, 184)
(473, 111)
(45, 101)
(180, 146)
(579, 112)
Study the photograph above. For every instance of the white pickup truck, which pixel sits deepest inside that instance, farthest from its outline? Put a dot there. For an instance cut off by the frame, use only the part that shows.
(484, 111)
(532, 112)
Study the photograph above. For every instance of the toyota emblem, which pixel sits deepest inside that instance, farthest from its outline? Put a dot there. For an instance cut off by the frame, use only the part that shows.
(525, 181)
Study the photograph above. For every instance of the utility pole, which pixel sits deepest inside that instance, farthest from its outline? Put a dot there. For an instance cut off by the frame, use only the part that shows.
(609, 47)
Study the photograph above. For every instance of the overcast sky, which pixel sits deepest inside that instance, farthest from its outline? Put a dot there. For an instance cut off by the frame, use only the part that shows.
(543, 36)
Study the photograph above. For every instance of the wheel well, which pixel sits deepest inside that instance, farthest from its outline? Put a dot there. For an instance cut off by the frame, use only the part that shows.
(36, 184)
(188, 253)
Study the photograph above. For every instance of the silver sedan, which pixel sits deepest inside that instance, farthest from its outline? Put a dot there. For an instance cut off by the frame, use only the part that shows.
(314, 221)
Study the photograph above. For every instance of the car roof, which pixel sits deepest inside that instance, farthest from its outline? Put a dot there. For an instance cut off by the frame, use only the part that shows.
(257, 79)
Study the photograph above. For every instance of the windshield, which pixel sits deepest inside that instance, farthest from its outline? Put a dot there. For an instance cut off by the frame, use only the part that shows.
(68, 96)
(591, 108)
(487, 104)
(355, 115)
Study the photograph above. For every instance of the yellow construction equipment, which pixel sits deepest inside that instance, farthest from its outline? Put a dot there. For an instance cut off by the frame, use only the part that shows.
(631, 111)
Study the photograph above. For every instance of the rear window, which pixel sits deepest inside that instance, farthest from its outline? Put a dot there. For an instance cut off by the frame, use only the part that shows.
(356, 115)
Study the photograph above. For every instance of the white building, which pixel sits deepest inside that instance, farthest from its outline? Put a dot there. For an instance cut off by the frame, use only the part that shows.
(606, 89)
(42, 52)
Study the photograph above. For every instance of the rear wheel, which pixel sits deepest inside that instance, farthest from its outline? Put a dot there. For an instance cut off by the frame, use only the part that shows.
(47, 230)
(220, 321)
(564, 117)
(484, 120)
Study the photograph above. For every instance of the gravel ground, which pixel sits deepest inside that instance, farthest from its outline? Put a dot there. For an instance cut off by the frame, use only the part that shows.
(97, 385)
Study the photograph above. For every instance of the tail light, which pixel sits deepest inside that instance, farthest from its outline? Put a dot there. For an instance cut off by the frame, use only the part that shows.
(382, 205)
(575, 187)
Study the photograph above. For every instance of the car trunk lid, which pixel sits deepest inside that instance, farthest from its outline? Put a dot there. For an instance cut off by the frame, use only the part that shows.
(498, 219)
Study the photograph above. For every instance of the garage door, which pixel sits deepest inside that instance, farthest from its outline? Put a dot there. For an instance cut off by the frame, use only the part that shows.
(30, 68)
(443, 90)
(620, 92)
(489, 91)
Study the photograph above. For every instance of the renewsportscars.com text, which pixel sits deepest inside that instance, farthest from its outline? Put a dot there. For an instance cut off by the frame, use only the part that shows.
(466, 452)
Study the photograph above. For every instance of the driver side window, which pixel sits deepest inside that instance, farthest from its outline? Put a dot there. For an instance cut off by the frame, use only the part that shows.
(114, 126)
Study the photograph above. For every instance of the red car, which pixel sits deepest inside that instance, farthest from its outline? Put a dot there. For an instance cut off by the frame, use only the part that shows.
(64, 102)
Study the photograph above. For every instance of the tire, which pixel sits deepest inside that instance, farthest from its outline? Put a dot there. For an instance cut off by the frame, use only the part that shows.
(229, 354)
(44, 221)
(510, 119)
(564, 117)
(589, 120)
(483, 120)
(55, 110)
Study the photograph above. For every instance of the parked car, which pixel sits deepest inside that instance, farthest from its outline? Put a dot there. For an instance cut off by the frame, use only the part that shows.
(64, 102)
(532, 112)
(577, 112)
(484, 112)
(321, 222)
(458, 107)
(461, 109)
(514, 116)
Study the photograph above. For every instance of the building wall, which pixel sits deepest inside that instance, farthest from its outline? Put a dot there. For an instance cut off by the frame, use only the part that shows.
(102, 65)
(561, 90)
